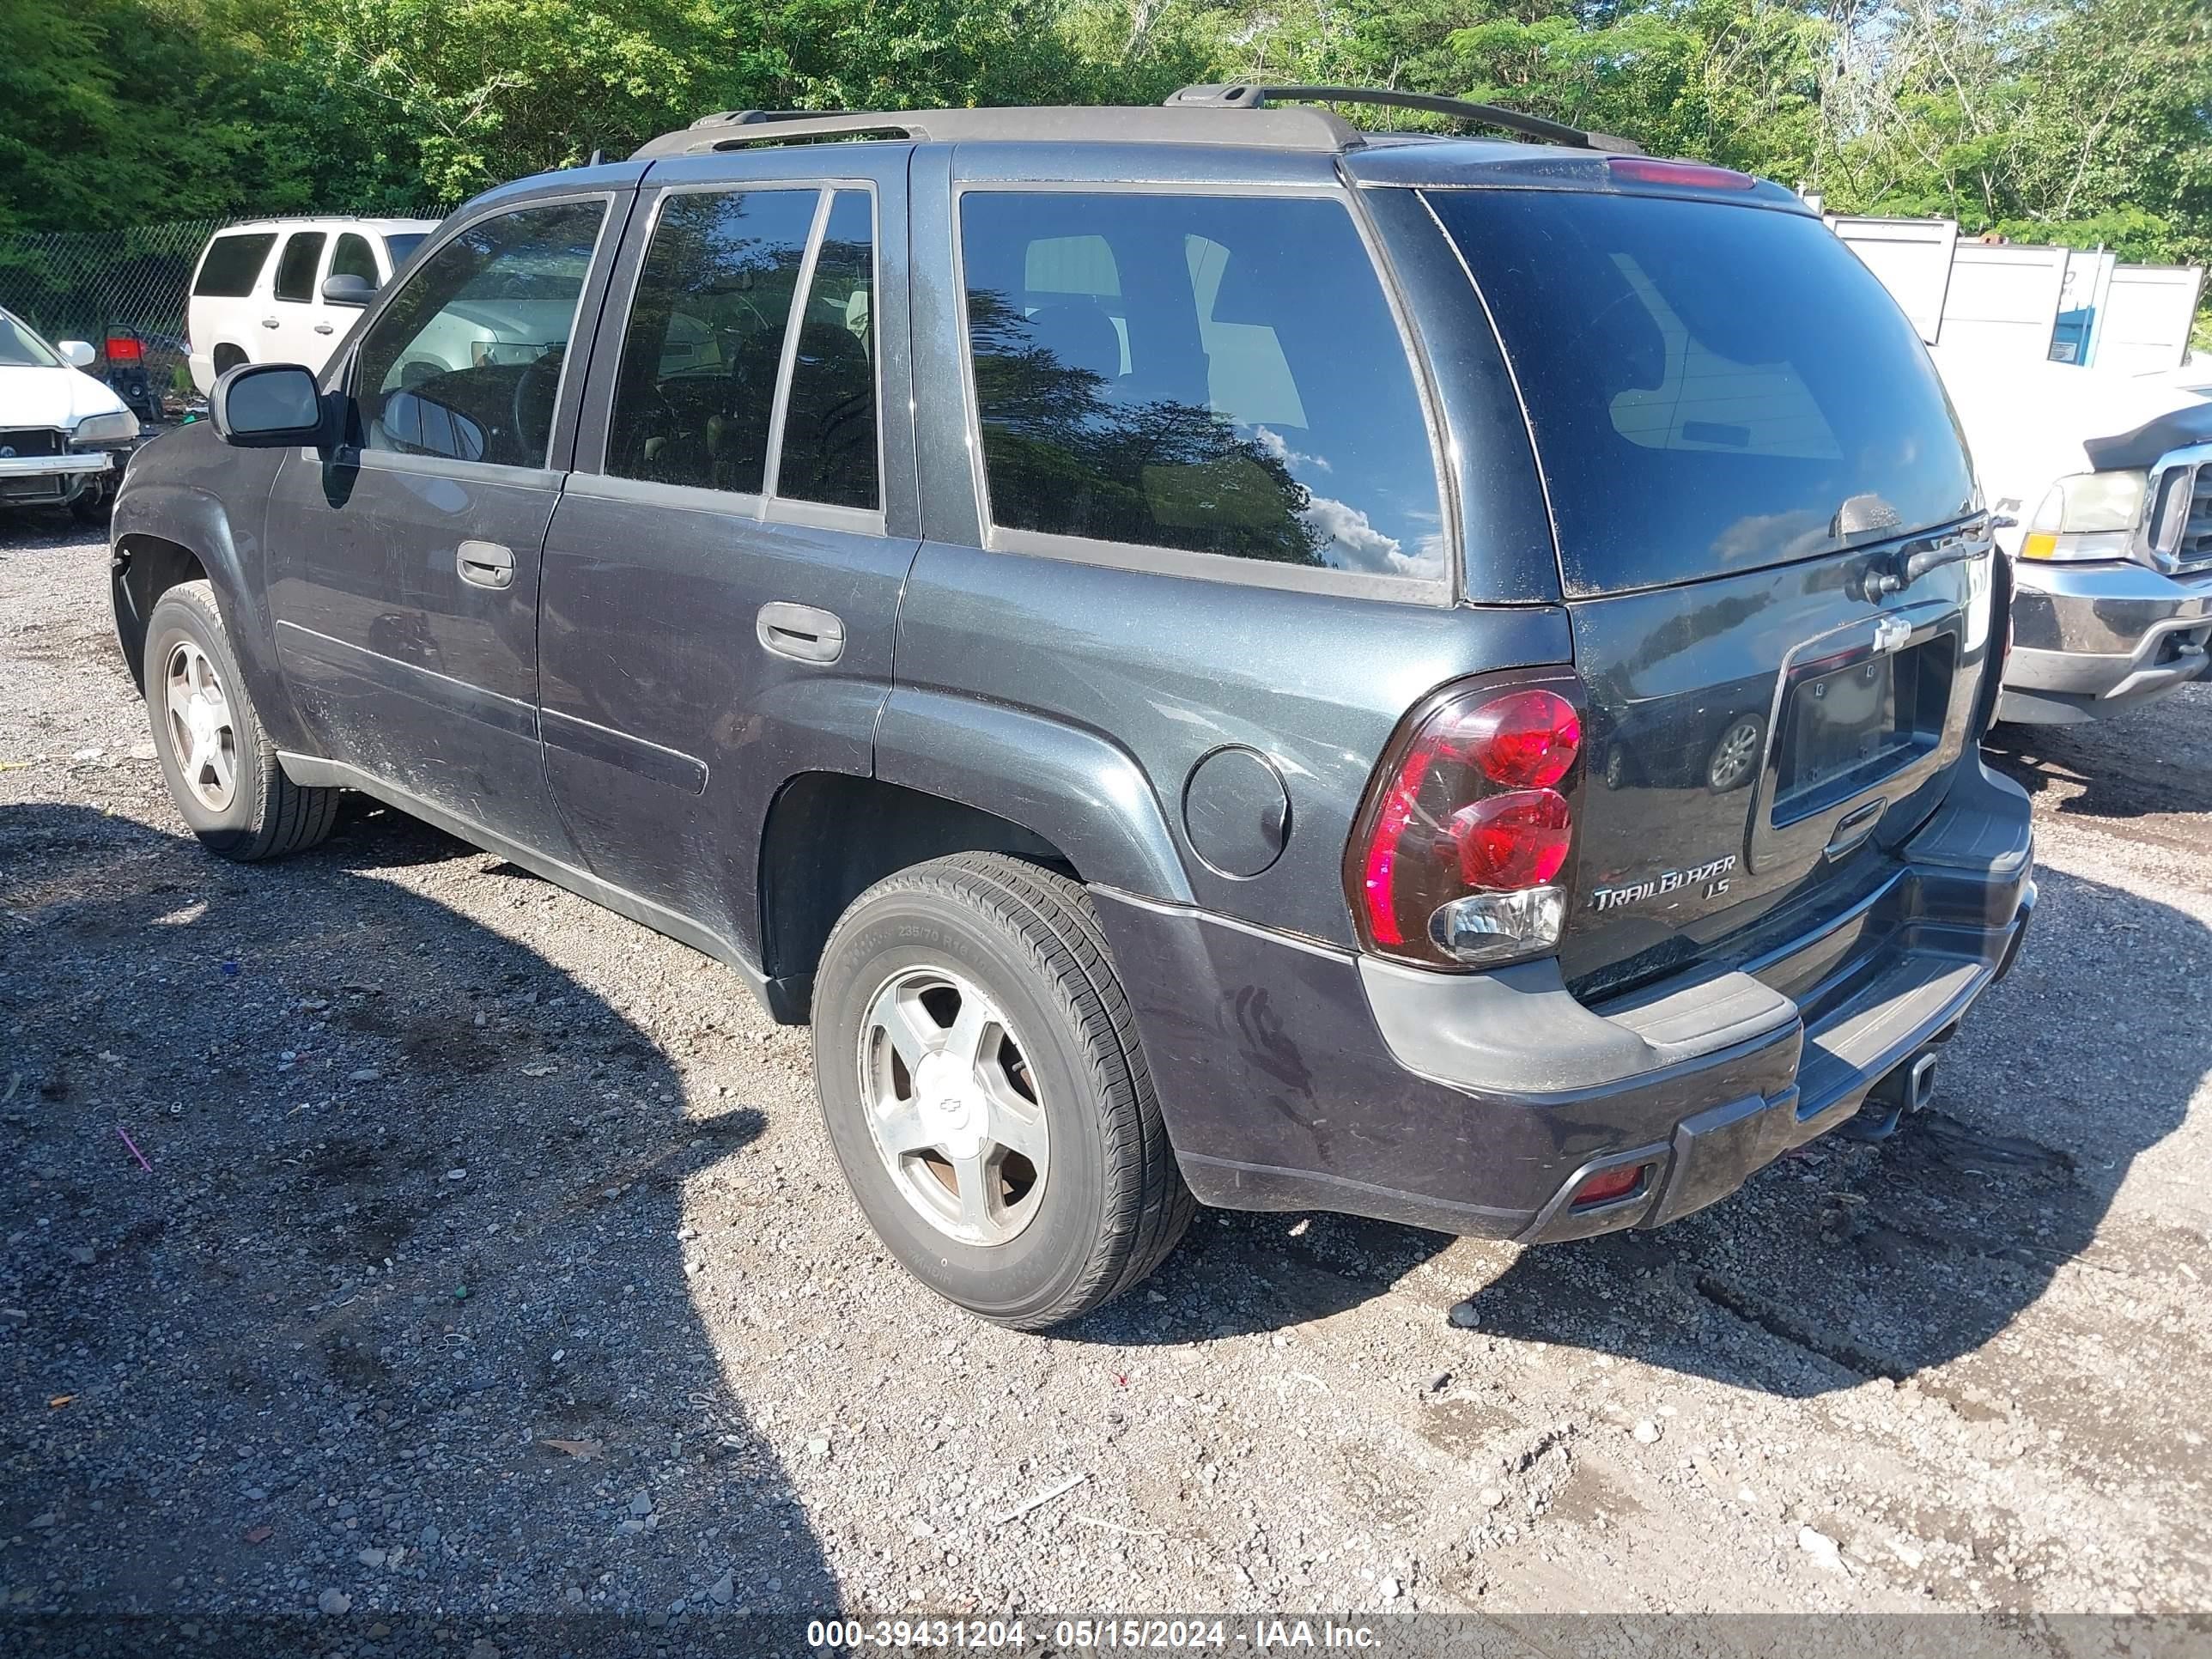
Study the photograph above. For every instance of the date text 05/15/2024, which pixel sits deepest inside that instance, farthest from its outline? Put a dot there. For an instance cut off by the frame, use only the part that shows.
(1090, 1635)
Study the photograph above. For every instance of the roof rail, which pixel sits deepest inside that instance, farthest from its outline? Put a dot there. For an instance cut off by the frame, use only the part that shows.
(1251, 95)
(753, 118)
(1295, 127)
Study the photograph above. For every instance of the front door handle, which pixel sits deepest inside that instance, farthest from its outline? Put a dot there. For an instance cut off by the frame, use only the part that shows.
(801, 632)
(485, 564)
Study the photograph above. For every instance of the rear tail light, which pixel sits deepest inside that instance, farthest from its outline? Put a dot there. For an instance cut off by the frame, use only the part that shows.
(1457, 856)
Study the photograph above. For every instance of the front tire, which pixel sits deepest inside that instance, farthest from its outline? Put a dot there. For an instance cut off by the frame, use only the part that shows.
(220, 768)
(980, 1079)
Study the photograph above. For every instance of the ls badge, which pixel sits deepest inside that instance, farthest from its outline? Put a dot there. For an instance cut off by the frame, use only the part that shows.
(1713, 877)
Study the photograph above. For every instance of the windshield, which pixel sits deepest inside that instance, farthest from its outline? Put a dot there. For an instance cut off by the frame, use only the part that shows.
(20, 349)
(1713, 388)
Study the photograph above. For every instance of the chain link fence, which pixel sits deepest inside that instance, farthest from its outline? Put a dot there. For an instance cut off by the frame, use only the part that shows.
(112, 288)
(118, 291)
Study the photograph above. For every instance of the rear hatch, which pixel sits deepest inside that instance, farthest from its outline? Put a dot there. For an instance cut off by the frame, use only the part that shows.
(1769, 546)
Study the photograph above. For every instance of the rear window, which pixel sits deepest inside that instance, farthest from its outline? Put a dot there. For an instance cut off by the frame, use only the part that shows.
(232, 264)
(1713, 388)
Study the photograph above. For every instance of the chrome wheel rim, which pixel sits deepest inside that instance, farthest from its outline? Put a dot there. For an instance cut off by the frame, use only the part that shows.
(202, 734)
(1734, 756)
(953, 1105)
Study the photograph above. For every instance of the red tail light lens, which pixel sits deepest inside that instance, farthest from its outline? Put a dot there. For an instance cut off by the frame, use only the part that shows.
(1681, 175)
(1519, 840)
(1468, 827)
(1524, 740)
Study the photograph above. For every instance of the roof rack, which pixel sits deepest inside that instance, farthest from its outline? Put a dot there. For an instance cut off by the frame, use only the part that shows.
(1249, 96)
(754, 117)
(1313, 129)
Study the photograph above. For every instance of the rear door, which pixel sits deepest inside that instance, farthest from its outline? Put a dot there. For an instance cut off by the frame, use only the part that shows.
(722, 577)
(295, 305)
(1770, 547)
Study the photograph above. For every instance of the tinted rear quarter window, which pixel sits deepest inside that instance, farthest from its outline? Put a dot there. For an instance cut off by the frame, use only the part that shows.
(1712, 388)
(1214, 374)
(232, 265)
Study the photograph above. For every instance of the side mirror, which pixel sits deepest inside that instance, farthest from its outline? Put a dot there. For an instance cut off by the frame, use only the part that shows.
(348, 290)
(78, 355)
(267, 406)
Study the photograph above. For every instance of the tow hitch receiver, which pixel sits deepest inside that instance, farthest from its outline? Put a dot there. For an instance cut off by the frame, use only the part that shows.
(1908, 1088)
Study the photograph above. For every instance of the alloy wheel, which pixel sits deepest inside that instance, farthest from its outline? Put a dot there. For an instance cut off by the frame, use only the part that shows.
(202, 731)
(953, 1105)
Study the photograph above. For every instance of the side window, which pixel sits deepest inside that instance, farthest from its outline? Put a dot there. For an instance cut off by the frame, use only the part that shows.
(829, 417)
(353, 257)
(1217, 374)
(232, 265)
(696, 386)
(465, 363)
(295, 271)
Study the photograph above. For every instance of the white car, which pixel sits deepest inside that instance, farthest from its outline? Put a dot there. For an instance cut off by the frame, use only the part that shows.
(63, 435)
(263, 291)
(2108, 480)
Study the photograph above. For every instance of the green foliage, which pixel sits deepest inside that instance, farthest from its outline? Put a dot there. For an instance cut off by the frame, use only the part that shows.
(2079, 121)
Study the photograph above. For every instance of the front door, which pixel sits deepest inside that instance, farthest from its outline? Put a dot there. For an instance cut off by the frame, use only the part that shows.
(722, 577)
(404, 566)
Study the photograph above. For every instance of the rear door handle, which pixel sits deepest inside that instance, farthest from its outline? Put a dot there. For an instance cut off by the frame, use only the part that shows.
(270, 322)
(485, 564)
(801, 632)
(324, 328)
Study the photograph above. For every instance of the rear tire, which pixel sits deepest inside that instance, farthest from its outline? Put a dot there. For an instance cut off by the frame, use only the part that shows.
(220, 768)
(984, 943)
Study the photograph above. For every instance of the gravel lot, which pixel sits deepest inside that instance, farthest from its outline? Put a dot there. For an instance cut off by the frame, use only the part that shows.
(491, 1262)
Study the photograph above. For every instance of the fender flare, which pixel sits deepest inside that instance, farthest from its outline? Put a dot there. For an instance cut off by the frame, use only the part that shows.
(193, 519)
(1080, 791)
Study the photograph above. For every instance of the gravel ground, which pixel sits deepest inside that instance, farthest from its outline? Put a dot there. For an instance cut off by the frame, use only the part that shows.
(488, 1260)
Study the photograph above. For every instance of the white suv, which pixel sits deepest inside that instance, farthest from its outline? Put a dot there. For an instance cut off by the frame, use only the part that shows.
(259, 293)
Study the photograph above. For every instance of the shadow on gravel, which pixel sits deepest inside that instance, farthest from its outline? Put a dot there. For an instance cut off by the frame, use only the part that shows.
(2155, 761)
(1845, 1262)
(399, 1315)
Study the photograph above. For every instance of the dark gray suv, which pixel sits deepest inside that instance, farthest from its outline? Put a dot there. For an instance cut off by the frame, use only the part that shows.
(1216, 657)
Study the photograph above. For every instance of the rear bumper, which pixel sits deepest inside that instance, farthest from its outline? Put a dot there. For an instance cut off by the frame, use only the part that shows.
(1298, 1077)
(2094, 641)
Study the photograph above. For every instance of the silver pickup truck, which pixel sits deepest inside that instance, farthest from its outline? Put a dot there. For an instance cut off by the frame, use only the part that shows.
(2110, 479)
